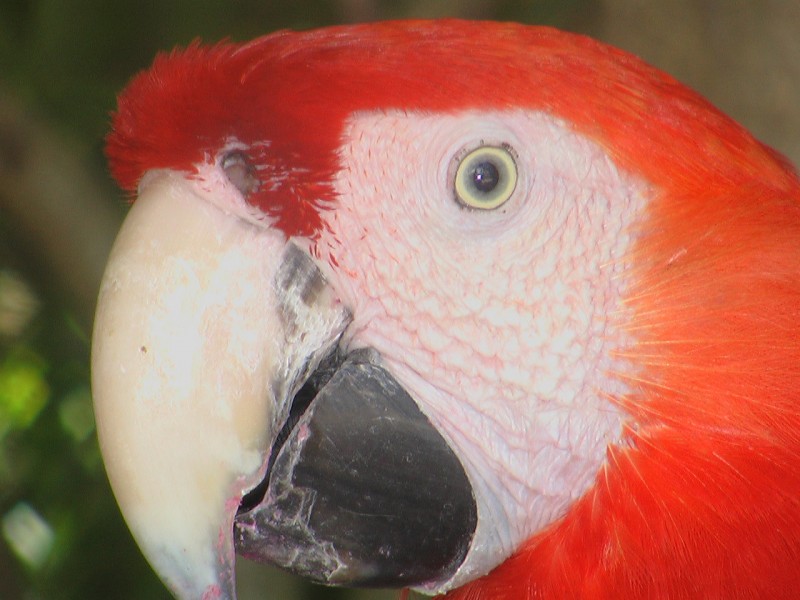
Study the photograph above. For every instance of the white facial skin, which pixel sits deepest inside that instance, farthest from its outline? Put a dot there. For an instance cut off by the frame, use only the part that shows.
(502, 324)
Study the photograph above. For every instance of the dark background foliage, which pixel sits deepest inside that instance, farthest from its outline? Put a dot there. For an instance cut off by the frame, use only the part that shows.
(61, 63)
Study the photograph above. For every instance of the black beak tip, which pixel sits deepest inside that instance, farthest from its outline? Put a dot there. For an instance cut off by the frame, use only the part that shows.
(364, 491)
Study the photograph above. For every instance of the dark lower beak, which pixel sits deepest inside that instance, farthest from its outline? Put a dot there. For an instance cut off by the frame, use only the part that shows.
(364, 491)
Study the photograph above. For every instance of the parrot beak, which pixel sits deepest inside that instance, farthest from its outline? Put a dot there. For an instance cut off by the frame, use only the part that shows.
(231, 418)
(200, 337)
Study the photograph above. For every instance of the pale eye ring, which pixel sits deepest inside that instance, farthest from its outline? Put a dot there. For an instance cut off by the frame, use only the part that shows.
(486, 177)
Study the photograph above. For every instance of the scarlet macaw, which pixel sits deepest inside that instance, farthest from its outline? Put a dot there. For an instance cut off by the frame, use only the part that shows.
(483, 309)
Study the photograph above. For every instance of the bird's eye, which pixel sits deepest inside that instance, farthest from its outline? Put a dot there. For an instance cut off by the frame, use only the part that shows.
(486, 177)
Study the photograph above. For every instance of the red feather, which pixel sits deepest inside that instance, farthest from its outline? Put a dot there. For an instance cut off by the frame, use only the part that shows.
(703, 501)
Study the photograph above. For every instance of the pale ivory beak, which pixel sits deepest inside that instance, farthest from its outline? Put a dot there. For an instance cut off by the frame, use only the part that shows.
(192, 373)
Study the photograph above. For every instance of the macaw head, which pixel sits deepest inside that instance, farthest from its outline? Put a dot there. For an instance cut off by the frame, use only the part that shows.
(396, 302)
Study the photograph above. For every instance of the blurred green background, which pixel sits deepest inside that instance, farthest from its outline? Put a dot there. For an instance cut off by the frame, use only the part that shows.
(61, 63)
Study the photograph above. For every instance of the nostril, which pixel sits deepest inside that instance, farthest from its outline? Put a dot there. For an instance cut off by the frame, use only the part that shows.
(240, 172)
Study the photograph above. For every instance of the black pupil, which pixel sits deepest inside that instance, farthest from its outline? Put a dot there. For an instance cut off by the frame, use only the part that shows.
(485, 176)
